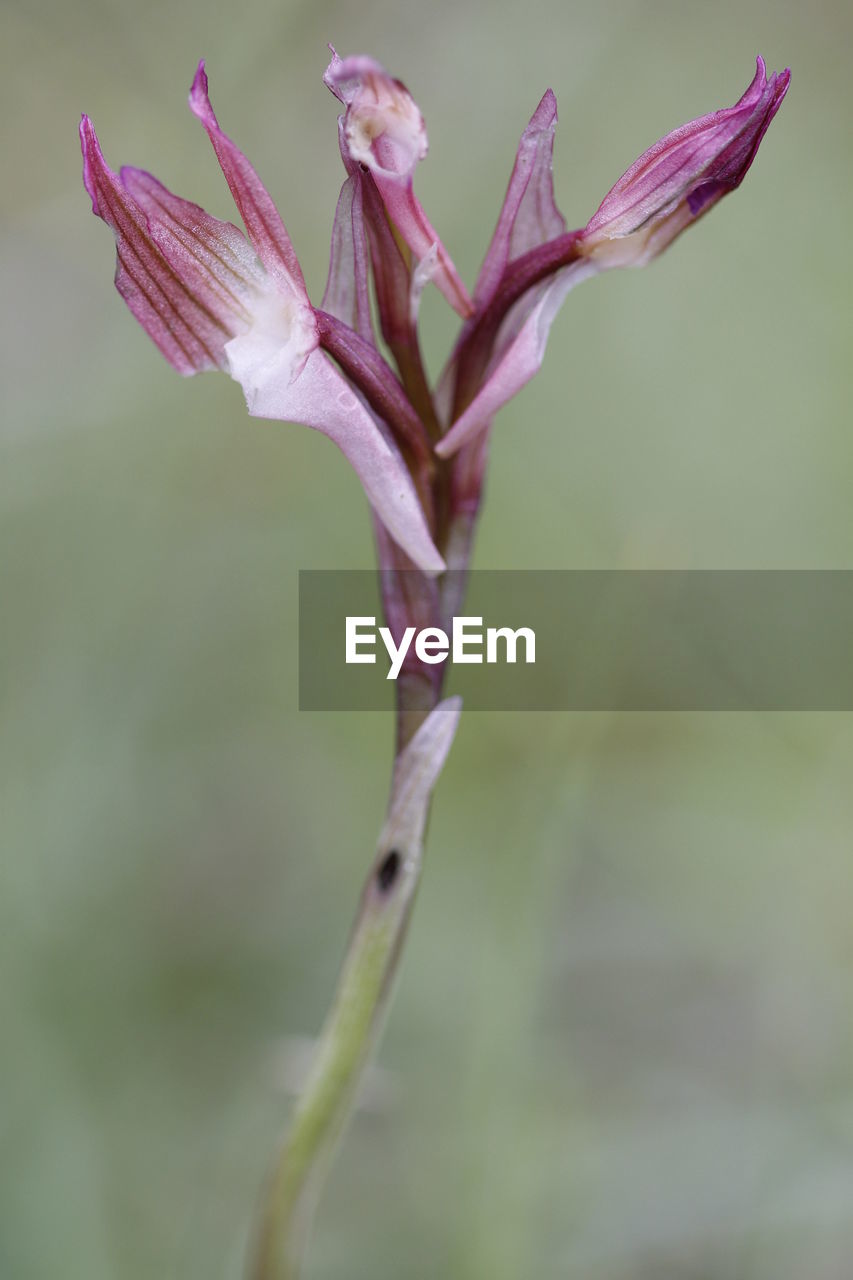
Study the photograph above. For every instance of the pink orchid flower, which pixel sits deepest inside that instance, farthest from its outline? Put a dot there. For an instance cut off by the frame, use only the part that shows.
(383, 130)
(211, 299)
(533, 263)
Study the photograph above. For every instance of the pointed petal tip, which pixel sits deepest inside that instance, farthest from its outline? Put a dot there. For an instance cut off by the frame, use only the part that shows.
(130, 174)
(199, 98)
(773, 91)
(783, 80)
(435, 736)
(332, 74)
(403, 517)
(408, 529)
(419, 547)
(86, 132)
(429, 748)
(777, 83)
(545, 115)
(435, 565)
(92, 157)
(416, 771)
(329, 73)
(775, 78)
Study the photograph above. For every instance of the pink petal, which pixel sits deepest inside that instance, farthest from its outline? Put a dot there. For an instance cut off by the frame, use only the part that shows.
(407, 214)
(347, 295)
(262, 219)
(197, 244)
(528, 219)
(529, 215)
(520, 357)
(319, 397)
(186, 277)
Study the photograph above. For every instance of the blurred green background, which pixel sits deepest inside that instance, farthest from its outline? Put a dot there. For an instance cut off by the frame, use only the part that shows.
(621, 1045)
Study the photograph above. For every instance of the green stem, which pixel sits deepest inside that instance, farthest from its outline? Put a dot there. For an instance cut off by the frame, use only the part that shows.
(356, 1016)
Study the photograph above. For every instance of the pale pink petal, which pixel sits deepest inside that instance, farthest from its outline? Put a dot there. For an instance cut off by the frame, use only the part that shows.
(319, 397)
(368, 370)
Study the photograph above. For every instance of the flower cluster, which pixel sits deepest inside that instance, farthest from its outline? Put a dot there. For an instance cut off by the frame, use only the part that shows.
(212, 297)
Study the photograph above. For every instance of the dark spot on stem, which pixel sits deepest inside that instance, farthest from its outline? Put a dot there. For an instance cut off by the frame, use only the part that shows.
(388, 870)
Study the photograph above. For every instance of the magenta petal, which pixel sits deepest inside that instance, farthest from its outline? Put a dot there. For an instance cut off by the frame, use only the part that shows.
(320, 398)
(529, 216)
(262, 220)
(521, 356)
(185, 276)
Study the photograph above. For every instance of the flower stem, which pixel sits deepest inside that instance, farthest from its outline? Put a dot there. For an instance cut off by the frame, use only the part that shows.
(355, 1019)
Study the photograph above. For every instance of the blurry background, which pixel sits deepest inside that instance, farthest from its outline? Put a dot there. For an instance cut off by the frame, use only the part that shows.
(621, 1046)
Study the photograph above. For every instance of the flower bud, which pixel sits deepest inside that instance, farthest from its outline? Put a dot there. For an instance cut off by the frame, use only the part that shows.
(681, 177)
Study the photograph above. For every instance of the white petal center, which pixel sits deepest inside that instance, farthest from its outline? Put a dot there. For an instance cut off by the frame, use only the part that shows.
(273, 350)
